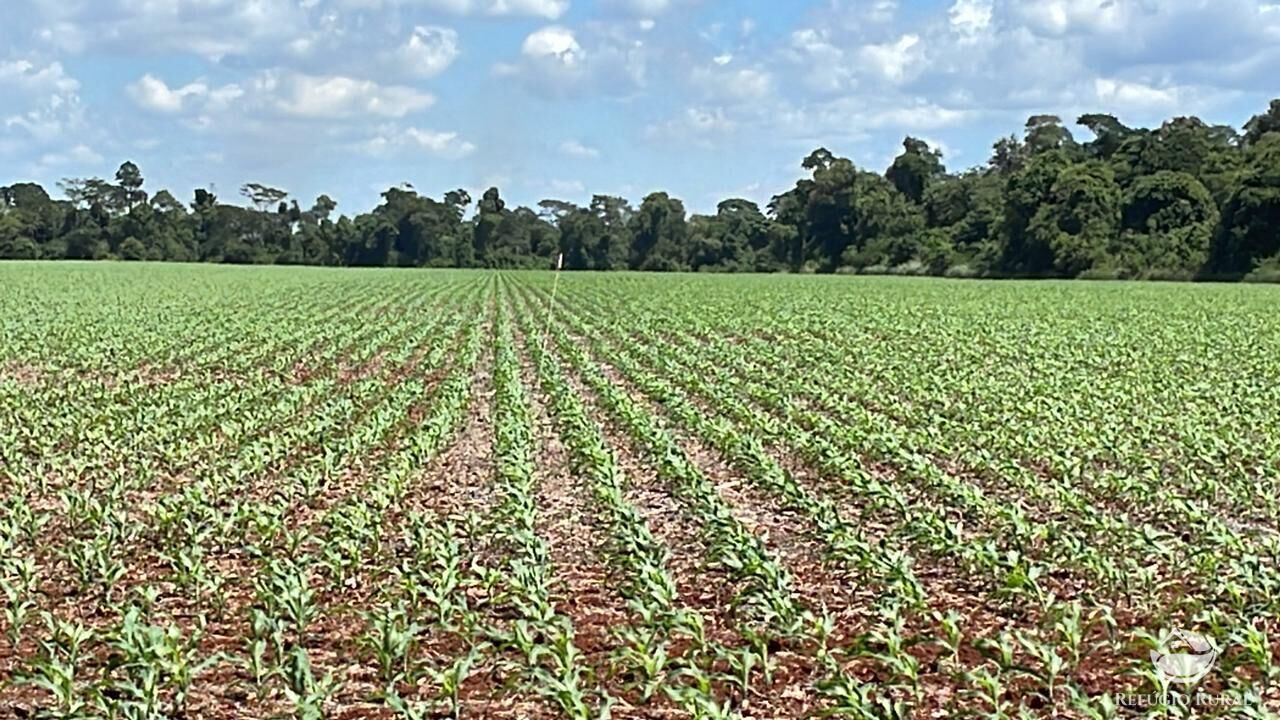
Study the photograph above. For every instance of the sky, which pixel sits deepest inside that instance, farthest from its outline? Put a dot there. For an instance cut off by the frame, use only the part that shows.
(705, 99)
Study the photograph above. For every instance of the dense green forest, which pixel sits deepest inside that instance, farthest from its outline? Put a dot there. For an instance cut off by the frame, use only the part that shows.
(1182, 201)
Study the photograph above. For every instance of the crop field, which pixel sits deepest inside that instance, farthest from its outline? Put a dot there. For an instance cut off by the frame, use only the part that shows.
(274, 492)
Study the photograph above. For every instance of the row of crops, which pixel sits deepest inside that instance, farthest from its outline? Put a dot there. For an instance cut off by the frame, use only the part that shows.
(271, 492)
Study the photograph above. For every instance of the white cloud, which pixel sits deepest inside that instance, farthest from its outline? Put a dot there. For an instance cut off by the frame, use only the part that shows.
(567, 187)
(704, 120)
(555, 44)
(29, 76)
(152, 93)
(429, 51)
(970, 18)
(78, 155)
(861, 13)
(556, 61)
(647, 9)
(278, 92)
(883, 10)
(336, 96)
(573, 148)
(922, 115)
(393, 139)
(1058, 17)
(41, 103)
(855, 119)
(552, 62)
(733, 85)
(444, 144)
(896, 61)
(210, 28)
(272, 77)
(700, 125)
(823, 65)
(550, 9)
(367, 38)
(943, 147)
(1123, 94)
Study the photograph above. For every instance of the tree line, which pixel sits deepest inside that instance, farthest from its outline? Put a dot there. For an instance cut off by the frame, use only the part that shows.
(1186, 200)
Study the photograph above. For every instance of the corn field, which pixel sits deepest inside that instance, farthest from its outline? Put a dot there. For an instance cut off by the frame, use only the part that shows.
(303, 493)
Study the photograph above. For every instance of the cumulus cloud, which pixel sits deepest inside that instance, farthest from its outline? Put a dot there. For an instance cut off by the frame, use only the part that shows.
(1058, 17)
(550, 9)
(447, 144)
(441, 144)
(334, 37)
(1001, 60)
(265, 77)
(283, 92)
(823, 67)
(78, 155)
(566, 187)
(428, 51)
(152, 93)
(210, 28)
(29, 76)
(336, 96)
(855, 119)
(895, 60)
(42, 103)
(1130, 94)
(555, 45)
(646, 9)
(555, 61)
(703, 126)
(575, 149)
(971, 18)
(732, 84)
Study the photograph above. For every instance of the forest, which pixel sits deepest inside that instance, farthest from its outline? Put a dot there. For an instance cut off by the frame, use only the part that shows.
(1187, 200)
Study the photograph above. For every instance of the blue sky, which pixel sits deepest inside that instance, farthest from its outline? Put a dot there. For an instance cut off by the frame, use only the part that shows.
(562, 98)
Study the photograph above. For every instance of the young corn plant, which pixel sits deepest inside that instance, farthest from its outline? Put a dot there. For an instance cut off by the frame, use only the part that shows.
(157, 667)
(307, 694)
(693, 692)
(18, 609)
(449, 679)
(391, 638)
(57, 670)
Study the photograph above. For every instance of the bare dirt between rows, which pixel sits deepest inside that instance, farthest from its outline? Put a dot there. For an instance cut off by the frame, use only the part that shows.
(792, 692)
(949, 586)
(23, 373)
(583, 590)
(224, 691)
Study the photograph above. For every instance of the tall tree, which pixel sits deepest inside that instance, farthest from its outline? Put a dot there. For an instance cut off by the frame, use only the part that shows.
(263, 197)
(1108, 134)
(1046, 132)
(1079, 220)
(490, 213)
(1252, 213)
(915, 169)
(658, 233)
(1169, 221)
(129, 179)
(1026, 192)
(1262, 123)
